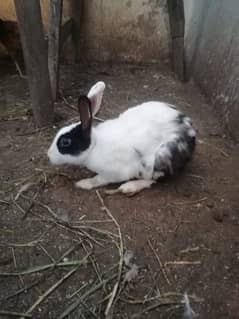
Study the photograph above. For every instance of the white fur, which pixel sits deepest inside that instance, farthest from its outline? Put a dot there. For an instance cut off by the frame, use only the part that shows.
(123, 147)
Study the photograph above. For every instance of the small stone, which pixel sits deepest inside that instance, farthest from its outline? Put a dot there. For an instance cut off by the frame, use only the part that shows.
(210, 205)
(218, 216)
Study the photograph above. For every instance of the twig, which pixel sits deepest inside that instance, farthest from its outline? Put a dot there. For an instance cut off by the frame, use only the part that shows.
(48, 255)
(159, 262)
(191, 202)
(70, 250)
(41, 204)
(97, 221)
(29, 244)
(215, 147)
(196, 176)
(15, 265)
(98, 230)
(121, 256)
(4, 202)
(93, 263)
(20, 291)
(14, 314)
(20, 208)
(45, 267)
(182, 262)
(77, 291)
(30, 205)
(189, 250)
(51, 289)
(88, 293)
(159, 296)
(88, 309)
(161, 303)
(73, 107)
(24, 188)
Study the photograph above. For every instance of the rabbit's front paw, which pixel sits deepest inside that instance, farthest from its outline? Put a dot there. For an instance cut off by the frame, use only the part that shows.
(90, 183)
(87, 184)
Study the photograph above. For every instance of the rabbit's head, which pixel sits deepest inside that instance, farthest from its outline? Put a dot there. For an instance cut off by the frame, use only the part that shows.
(72, 142)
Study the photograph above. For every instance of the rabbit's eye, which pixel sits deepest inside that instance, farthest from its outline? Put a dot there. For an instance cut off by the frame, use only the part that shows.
(65, 142)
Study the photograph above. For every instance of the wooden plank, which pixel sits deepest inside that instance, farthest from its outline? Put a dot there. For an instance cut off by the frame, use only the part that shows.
(35, 56)
(177, 26)
(66, 31)
(54, 38)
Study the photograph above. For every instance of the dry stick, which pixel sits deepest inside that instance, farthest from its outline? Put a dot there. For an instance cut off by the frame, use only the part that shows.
(182, 262)
(93, 262)
(75, 304)
(86, 284)
(24, 188)
(14, 314)
(41, 204)
(121, 255)
(44, 267)
(71, 229)
(160, 263)
(20, 208)
(50, 290)
(158, 297)
(89, 310)
(161, 303)
(48, 255)
(93, 221)
(4, 202)
(20, 291)
(98, 230)
(30, 205)
(77, 291)
(29, 244)
(191, 202)
(15, 265)
(70, 250)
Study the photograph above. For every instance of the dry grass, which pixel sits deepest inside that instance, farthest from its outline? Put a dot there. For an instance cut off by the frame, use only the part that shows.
(107, 290)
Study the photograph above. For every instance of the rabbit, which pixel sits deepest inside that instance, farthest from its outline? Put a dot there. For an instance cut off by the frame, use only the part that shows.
(142, 145)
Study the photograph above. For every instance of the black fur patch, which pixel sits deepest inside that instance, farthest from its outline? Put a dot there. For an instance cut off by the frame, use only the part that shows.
(180, 118)
(179, 153)
(73, 142)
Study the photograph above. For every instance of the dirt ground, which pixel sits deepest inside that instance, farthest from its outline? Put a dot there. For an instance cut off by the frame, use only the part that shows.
(183, 232)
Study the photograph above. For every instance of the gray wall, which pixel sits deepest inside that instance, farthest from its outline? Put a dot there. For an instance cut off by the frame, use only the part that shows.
(122, 30)
(212, 54)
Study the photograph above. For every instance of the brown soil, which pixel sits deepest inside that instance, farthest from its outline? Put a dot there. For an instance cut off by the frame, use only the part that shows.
(191, 221)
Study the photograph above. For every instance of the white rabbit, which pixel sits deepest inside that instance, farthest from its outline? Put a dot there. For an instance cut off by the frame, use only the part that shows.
(145, 143)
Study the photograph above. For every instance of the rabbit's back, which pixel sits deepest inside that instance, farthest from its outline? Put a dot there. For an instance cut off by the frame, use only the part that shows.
(151, 139)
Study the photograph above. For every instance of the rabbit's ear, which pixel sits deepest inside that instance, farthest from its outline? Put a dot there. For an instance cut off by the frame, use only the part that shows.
(84, 107)
(95, 95)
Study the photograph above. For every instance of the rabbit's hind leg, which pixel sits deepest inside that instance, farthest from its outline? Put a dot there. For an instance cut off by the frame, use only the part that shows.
(133, 187)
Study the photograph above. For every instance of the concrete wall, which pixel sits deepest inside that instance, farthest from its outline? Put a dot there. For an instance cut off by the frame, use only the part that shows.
(131, 30)
(112, 30)
(212, 54)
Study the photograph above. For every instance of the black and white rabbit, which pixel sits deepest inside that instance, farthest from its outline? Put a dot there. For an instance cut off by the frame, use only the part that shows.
(140, 146)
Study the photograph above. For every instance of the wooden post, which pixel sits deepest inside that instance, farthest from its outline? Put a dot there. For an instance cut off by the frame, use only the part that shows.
(35, 56)
(177, 25)
(54, 37)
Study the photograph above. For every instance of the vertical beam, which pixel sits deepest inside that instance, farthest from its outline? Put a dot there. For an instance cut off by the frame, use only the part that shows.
(54, 37)
(35, 56)
(177, 25)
